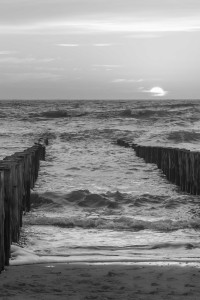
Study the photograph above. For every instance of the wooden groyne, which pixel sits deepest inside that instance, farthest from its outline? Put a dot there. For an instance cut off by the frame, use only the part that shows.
(181, 166)
(18, 174)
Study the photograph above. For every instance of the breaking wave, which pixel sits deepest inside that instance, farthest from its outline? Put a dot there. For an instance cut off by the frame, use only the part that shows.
(119, 223)
(106, 211)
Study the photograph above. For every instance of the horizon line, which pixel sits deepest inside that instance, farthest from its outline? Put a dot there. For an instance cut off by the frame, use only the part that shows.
(105, 99)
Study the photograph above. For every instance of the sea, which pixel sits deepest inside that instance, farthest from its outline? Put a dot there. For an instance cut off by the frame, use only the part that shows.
(95, 201)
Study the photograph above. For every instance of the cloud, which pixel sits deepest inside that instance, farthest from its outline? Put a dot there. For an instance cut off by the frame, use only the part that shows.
(67, 16)
(68, 45)
(28, 76)
(148, 35)
(17, 60)
(102, 45)
(103, 25)
(127, 80)
(94, 45)
(6, 52)
(46, 68)
(107, 66)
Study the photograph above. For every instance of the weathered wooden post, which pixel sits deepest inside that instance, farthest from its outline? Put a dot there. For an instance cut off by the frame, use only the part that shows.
(198, 173)
(2, 218)
(7, 209)
(196, 167)
(180, 166)
(192, 173)
(176, 163)
(16, 204)
(18, 174)
(159, 157)
(188, 172)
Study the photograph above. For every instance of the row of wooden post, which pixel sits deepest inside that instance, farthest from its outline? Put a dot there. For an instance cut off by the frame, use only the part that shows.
(18, 174)
(181, 166)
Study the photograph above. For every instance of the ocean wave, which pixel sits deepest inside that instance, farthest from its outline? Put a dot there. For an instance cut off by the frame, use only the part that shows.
(143, 113)
(126, 113)
(2, 115)
(51, 136)
(118, 223)
(175, 245)
(34, 137)
(55, 114)
(111, 200)
(146, 113)
(81, 198)
(181, 105)
(37, 200)
(183, 136)
(91, 134)
(153, 246)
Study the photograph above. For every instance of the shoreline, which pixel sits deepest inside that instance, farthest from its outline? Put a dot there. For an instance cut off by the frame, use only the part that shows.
(28, 277)
(23, 256)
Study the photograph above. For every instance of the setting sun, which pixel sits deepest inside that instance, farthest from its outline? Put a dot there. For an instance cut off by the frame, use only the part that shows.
(158, 91)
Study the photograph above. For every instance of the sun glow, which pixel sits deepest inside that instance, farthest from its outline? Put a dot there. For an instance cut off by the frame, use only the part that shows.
(158, 91)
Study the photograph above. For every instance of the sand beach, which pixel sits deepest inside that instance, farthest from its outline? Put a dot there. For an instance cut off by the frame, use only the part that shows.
(76, 281)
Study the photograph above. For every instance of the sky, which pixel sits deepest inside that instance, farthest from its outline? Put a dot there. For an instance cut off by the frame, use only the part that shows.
(99, 49)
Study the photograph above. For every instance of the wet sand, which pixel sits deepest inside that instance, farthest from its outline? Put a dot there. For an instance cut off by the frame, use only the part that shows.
(99, 281)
